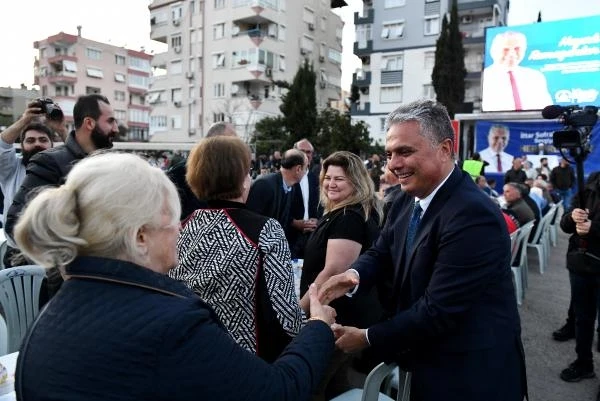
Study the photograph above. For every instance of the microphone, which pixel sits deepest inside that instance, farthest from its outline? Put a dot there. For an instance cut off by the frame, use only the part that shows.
(553, 111)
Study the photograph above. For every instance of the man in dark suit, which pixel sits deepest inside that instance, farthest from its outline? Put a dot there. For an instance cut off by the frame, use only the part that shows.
(305, 209)
(271, 194)
(445, 244)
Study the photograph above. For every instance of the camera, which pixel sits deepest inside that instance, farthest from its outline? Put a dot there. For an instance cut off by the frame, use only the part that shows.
(51, 109)
(578, 126)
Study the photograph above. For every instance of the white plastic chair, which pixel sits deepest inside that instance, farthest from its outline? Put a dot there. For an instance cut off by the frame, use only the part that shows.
(553, 229)
(373, 383)
(20, 299)
(540, 241)
(519, 264)
(3, 247)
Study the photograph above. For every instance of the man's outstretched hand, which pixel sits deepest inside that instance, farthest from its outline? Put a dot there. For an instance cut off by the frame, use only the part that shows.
(338, 285)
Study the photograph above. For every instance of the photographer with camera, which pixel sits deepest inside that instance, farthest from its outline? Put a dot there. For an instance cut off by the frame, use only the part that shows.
(36, 133)
(583, 262)
(95, 128)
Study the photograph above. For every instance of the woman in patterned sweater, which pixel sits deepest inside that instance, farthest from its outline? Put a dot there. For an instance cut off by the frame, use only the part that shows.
(234, 259)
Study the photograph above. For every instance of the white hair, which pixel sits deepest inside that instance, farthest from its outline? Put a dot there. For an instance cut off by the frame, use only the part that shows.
(105, 200)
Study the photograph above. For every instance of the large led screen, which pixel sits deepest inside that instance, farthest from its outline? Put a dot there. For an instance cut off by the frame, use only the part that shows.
(529, 67)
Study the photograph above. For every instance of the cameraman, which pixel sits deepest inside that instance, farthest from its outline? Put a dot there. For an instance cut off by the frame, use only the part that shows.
(36, 134)
(583, 222)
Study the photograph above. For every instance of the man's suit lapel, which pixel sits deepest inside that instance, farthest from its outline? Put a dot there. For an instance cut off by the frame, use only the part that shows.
(435, 208)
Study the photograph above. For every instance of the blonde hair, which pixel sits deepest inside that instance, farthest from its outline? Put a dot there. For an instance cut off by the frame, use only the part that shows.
(363, 188)
(105, 200)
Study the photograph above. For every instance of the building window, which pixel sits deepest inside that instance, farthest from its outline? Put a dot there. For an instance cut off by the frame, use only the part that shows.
(219, 4)
(218, 117)
(281, 62)
(432, 25)
(176, 122)
(394, 3)
(281, 33)
(89, 90)
(307, 44)
(120, 115)
(335, 56)
(364, 32)
(392, 63)
(308, 16)
(158, 121)
(218, 31)
(119, 60)
(119, 77)
(176, 12)
(428, 91)
(94, 72)
(218, 60)
(139, 64)
(391, 94)
(176, 95)
(93, 54)
(176, 41)
(429, 60)
(392, 30)
(219, 90)
(175, 67)
(138, 81)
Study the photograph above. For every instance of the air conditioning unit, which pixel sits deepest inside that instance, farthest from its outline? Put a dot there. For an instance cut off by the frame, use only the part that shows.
(192, 131)
(177, 104)
(321, 58)
(303, 51)
(311, 26)
(323, 84)
(191, 101)
(269, 72)
(176, 21)
(177, 49)
(189, 75)
(466, 19)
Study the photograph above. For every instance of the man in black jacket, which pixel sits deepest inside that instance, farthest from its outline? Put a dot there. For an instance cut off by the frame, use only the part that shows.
(271, 194)
(95, 128)
(516, 173)
(305, 209)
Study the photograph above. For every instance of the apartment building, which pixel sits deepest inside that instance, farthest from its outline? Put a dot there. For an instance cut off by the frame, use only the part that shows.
(68, 66)
(13, 102)
(395, 40)
(224, 56)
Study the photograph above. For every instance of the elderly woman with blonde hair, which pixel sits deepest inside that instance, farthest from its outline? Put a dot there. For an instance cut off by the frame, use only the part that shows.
(120, 328)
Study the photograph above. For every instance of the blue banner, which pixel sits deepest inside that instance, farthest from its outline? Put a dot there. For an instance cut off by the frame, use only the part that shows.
(498, 142)
(528, 67)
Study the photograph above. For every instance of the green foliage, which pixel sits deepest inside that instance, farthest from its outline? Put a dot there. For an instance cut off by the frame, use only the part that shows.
(299, 105)
(270, 135)
(337, 132)
(449, 71)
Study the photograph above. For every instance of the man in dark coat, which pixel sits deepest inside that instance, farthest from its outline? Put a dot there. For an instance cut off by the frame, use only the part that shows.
(305, 209)
(271, 194)
(456, 326)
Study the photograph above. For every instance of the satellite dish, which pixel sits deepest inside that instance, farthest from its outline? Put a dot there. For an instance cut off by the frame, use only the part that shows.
(235, 88)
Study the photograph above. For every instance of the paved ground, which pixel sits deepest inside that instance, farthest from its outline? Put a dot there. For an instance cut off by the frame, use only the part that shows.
(543, 311)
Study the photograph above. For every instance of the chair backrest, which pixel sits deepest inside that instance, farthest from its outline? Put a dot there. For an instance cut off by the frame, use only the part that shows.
(557, 207)
(514, 245)
(3, 247)
(375, 379)
(20, 300)
(542, 226)
(521, 251)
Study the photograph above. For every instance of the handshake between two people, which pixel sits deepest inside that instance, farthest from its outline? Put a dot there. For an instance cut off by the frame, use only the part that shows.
(348, 339)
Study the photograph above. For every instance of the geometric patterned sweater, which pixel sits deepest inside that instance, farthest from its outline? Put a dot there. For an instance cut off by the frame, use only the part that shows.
(238, 262)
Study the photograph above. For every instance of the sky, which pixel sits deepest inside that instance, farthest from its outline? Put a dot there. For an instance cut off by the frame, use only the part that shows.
(127, 23)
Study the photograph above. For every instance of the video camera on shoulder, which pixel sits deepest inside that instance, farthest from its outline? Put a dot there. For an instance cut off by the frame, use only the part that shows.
(578, 126)
(51, 109)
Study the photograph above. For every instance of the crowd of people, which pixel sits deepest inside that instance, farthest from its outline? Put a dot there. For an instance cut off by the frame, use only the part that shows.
(175, 281)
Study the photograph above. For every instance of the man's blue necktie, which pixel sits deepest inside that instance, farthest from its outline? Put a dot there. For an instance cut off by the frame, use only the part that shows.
(413, 225)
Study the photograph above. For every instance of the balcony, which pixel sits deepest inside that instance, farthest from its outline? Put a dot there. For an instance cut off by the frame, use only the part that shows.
(160, 31)
(363, 48)
(476, 6)
(361, 79)
(360, 109)
(256, 32)
(365, 19)
(254, 11)
(338, 3)
(58, 59)
(61, 77)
